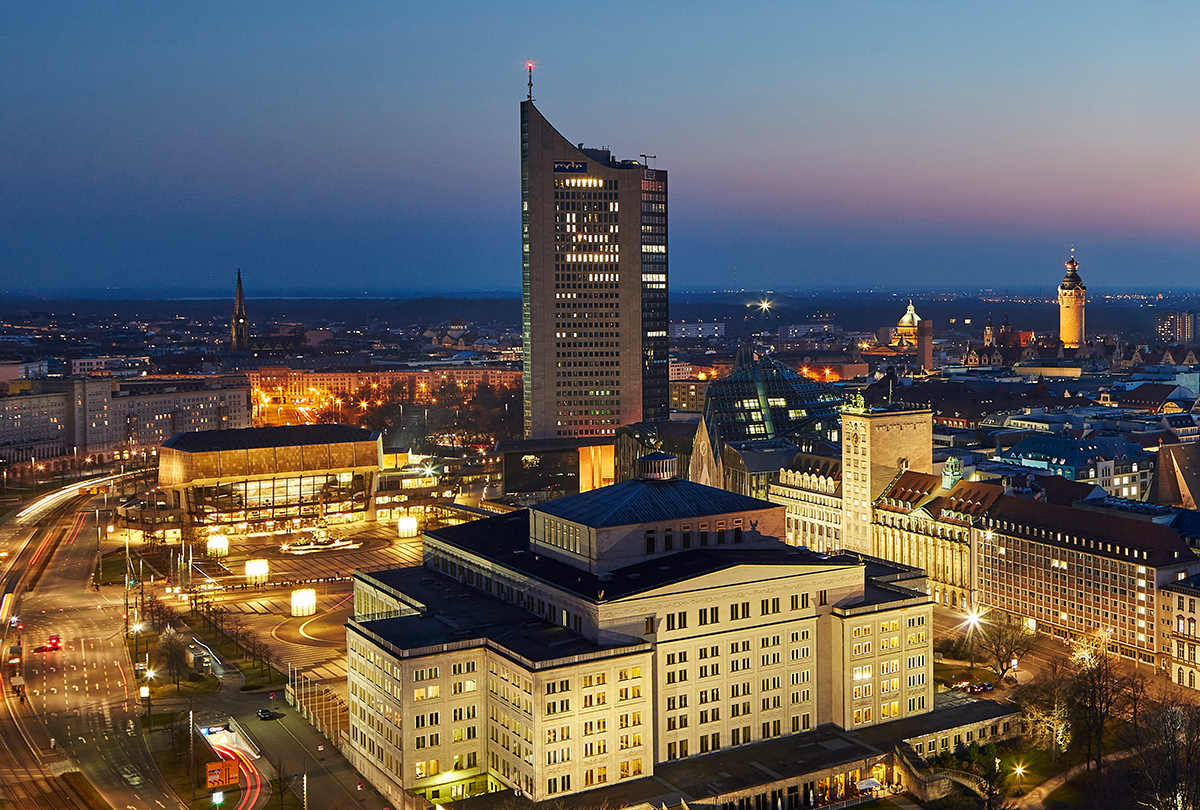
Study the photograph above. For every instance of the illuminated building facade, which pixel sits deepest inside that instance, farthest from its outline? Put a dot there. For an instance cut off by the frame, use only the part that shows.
(290, 395)
(272, 479)
(1070, 571)
(927, 520)
(905, 333)
(594, 286)
(1072, 297)
(810, 487)
(1177, 327)
(877, 443)
(1178, 634)
(592, 640)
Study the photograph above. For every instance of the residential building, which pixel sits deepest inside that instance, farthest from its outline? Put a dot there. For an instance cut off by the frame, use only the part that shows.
(1176, 327)
(697, 331)
(96, 417)
(1112, 462)
(110, 365)
(688, 395)
(594, 286)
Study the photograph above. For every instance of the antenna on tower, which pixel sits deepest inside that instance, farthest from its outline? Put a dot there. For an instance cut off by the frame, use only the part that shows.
(529, 65)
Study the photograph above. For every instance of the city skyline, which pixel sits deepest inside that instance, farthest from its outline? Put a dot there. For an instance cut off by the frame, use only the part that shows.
(896, 147)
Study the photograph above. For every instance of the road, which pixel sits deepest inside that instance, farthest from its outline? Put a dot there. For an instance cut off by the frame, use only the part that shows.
(84, 692)
(1045, 648)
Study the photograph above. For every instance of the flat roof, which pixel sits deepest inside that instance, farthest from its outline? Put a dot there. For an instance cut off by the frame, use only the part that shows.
(208, 441)
(504, 541)
(454, 613)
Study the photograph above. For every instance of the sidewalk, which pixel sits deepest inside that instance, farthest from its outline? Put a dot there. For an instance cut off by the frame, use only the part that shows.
(290, 743)
(1034, 798)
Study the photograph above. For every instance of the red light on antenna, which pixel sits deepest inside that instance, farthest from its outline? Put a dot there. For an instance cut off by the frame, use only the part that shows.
(529, 65)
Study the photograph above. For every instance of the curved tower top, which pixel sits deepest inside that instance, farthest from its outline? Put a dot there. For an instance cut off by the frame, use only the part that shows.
(1072, 280)
(593, 284)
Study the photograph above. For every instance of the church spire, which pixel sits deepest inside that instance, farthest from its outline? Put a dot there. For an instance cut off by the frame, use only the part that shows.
(240, 325)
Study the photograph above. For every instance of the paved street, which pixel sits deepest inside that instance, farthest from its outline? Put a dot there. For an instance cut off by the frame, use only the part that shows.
(82, 708)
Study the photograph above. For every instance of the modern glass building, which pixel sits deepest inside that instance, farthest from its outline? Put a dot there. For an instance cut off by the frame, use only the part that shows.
(764, 399)
(273, 479)
(594, 286)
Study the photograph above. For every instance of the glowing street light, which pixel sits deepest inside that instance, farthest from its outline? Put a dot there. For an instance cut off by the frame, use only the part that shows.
(1019, 770)
(973, 620)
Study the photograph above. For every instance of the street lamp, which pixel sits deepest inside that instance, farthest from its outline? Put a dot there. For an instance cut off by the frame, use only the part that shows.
(973, 619)
(137, 630)
(1019, 770)
(145, 691)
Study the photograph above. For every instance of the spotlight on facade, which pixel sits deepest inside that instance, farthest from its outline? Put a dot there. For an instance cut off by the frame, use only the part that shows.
(218, 546)
(304, 602)
(406, 526)
(257, 572)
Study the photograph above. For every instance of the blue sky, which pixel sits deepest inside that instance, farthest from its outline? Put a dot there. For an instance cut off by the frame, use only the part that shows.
(374, 146)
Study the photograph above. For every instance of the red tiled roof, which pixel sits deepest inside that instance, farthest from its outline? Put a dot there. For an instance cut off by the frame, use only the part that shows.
(911, 488)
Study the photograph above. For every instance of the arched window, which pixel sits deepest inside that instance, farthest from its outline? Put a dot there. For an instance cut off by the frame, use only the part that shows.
(1191, 627)
(1179, 624)
(1181, 676)
(1192, 678)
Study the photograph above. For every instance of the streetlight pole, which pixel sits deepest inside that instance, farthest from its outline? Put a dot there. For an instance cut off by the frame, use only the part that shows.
(972, 623)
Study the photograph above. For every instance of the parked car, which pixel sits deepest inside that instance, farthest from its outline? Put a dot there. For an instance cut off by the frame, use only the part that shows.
(265, 714)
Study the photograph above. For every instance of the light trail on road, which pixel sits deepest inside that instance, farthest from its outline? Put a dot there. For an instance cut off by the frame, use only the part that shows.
(253, 788)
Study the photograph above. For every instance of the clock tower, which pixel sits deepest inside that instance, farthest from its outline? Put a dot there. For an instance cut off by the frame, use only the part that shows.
(877, 443)
(1072, 296)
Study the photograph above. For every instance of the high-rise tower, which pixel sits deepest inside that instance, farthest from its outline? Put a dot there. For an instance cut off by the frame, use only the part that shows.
(877, 444)
(239, 325)
(1072, 296)
(593, 285)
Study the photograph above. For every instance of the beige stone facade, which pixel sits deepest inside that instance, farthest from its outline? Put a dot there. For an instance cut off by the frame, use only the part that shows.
(811, 491)
(877, 444)
(634, 649)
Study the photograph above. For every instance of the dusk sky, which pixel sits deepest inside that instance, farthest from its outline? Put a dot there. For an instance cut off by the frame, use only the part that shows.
(374, 147)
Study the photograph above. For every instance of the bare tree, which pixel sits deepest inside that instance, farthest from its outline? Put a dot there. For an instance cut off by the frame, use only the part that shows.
(280, 783)
(1170, 757)
(1099, 689)
(1003, 638)
(172, 652)
(1046, 704)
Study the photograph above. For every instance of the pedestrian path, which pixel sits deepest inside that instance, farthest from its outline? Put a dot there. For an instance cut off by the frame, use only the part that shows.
(1033, 800)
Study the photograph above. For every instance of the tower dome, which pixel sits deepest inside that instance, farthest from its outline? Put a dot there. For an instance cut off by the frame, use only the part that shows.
(906, 328)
